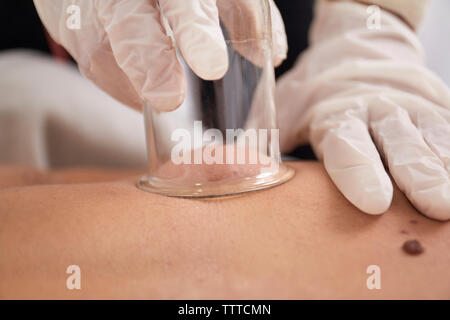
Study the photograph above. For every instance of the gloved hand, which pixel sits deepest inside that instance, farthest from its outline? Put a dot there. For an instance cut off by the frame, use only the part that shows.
(358, 94)
(122, 45)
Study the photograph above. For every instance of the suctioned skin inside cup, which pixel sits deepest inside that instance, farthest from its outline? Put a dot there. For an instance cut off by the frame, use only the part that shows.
(246, 170)
(217, 170)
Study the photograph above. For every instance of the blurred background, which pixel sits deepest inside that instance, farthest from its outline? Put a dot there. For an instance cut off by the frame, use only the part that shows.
(435, 36)
(51, 117)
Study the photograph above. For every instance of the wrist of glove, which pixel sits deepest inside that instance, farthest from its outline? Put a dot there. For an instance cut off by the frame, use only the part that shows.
(361, 97)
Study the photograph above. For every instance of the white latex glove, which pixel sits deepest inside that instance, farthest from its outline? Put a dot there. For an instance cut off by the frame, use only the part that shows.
(122, 45)
(357, 94)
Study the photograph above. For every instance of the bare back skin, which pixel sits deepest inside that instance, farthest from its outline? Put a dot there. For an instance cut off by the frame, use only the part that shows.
(299, 240)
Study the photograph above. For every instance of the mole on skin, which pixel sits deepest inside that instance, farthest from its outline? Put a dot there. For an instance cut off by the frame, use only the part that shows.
(413, 247)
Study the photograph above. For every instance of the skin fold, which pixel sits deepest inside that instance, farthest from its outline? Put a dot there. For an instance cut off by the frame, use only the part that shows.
(302, 239)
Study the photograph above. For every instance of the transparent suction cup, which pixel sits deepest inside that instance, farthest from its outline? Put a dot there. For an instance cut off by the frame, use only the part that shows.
(223, 140)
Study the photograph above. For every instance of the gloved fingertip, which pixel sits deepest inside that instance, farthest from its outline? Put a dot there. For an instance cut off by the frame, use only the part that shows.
(367, 187)
(375, 203)
(433, 203)
(165, 103)
(373, 200)
(440, 216)
(280, 48)
(210, 65)
(278, 59)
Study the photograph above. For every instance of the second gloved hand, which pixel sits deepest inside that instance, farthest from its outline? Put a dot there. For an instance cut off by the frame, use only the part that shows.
(123, 47)
(360, 96)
